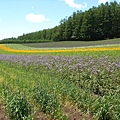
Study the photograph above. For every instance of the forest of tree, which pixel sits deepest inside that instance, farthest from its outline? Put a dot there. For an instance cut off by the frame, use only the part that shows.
(97, 23)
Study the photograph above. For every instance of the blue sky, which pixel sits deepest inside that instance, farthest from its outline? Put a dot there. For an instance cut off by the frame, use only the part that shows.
(25, 16)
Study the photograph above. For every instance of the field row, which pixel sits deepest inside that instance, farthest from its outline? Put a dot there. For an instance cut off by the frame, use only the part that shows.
(49, 84)
(5, 48)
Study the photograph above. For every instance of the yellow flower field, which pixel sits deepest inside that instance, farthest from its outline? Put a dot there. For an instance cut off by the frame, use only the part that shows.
(2, 47)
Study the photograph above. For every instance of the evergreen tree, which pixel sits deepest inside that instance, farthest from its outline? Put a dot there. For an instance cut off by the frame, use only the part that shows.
(97, 23)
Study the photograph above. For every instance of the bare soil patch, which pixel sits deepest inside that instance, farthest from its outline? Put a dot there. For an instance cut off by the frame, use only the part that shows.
(74, 114)
(3, 115)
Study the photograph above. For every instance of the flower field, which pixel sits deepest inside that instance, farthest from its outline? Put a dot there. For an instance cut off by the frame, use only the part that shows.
(61, 86)
(5, 48)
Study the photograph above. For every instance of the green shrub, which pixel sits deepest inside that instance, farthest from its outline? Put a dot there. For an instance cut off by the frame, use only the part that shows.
(18, 107)
(102, 109)
(48, 103)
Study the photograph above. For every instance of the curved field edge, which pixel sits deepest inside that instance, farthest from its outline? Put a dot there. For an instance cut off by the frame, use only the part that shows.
(40, 46)
(103, 48)
(67, 44)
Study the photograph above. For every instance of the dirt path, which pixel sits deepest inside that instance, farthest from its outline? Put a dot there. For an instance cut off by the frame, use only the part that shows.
(3, 115)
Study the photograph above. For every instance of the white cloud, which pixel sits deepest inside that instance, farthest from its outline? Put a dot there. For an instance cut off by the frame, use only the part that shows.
(71, 3)
(103, 1)
(1, 38)
(36, 18)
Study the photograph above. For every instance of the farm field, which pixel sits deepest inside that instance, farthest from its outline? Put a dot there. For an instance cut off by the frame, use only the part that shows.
(70, 84)
(67, 44)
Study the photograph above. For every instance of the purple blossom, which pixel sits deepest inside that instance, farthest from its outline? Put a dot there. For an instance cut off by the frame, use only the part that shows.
(70, 64)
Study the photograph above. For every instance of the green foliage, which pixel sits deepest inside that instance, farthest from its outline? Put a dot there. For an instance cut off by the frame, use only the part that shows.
(90, 81)
(18, 107)
(48, 103)
(102, 109)
(97, 23)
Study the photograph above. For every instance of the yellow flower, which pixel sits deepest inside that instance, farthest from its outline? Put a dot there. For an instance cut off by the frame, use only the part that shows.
(2, 47)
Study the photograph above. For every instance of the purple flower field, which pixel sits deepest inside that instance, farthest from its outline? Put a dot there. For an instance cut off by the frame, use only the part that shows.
(91, 82)
(71, 63)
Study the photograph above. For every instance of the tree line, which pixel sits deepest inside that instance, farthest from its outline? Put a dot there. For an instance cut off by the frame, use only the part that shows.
(97, 23)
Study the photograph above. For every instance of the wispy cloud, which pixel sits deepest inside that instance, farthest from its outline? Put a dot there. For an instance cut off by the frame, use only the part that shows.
(72, 3)
(36, 18)
(103, 1)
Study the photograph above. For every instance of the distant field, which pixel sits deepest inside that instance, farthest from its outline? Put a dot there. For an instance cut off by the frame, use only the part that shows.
(66, 44)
